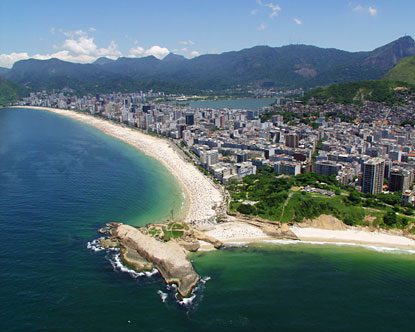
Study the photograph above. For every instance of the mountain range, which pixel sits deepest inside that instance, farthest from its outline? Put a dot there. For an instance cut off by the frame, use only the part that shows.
(293, 66)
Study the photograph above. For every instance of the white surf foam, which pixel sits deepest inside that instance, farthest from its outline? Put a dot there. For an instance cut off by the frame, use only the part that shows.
(367, 246)
(163, 296)
(94, 245)
(117, 265)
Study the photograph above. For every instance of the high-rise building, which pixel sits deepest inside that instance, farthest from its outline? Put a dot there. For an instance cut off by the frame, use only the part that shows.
(291, 140)
(399, 180)
(242, 157)
(190, 119)
(287, 167)
(327, 167)
(373, 171)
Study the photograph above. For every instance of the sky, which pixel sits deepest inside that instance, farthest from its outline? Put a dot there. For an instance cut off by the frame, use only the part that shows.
(84, 30)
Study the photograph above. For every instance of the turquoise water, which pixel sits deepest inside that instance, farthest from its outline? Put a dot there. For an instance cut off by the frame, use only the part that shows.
(60, 180)
(242, 103)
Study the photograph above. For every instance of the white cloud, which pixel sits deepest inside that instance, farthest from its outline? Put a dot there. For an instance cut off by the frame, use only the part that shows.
(275, 9)
(262, 27)
(254, 11)
(83, 45)
(157, 51)
(7, 60)
(194, 54)
(370, 10)
(111, 51)
(373, 11)
(66, 56)
(52, 31)
(298, 21)
(73, 34)
(184, 49)
(79, 48)
(137, 51)
(92, 29)
(187, 42)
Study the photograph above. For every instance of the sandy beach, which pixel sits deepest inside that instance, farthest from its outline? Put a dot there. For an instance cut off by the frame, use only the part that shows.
(201, 195)
(353, 236)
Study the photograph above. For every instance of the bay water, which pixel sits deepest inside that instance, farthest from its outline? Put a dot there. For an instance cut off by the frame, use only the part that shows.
(241, 103)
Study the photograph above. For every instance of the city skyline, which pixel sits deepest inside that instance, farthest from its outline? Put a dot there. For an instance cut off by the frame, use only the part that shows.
(82, 32)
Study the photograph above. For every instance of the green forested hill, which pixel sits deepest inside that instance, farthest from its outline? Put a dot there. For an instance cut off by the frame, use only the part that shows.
(10, 92)
(382, 91)
(404, 71)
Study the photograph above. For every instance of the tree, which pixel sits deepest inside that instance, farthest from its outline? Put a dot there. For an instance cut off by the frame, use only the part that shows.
(390, 218)
(354, 197)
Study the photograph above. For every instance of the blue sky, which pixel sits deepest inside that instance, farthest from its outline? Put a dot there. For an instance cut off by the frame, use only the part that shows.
(82, 30)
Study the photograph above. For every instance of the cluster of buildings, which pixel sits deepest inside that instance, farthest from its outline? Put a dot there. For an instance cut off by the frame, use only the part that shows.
(231, 143)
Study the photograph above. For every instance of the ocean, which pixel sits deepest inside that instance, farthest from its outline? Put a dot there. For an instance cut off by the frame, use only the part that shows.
(61, 180)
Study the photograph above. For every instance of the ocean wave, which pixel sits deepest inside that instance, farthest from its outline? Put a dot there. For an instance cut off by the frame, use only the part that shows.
(187, 301)
(236, 244)
(94, 245)
(367, 246)
(163, 296)
(117, 265)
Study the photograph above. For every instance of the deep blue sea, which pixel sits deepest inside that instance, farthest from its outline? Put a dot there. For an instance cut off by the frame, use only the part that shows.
(61, 180)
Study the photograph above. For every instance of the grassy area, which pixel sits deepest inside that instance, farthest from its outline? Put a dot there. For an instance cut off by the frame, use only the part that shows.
(404, 71)
(268, 196)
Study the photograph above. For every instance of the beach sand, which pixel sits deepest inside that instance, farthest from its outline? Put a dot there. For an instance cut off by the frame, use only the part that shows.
(353, 236)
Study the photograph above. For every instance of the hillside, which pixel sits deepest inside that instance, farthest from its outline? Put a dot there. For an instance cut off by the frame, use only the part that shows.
(382, 91)
(404, 71)
(10, 92)
(292, 66)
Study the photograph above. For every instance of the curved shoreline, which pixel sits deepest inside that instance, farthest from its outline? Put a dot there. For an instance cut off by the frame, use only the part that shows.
(201, 195)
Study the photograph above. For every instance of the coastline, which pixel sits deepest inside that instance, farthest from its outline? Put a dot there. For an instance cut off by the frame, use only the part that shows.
(202, 197)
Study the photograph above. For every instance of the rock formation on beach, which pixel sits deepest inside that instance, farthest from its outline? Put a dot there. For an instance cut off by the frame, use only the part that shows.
(160, 246)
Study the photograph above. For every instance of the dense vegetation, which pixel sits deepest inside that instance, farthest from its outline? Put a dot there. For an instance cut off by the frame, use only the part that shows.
(404, 71)
(278, 198)
(10, 92)
(359, 92)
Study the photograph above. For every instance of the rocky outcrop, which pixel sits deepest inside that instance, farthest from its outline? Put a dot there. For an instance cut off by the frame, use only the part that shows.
(206, 238)
(133, 259)
(168, 257)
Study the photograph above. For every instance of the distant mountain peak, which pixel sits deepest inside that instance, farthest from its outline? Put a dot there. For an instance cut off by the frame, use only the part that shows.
(389, 55)
(173, 57)
(102, 61)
